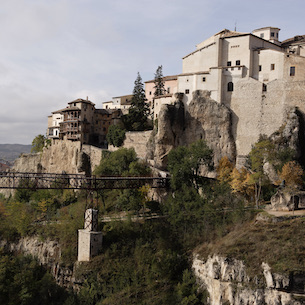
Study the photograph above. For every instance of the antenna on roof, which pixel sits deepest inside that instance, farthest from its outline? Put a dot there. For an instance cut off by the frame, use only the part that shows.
(235, 27)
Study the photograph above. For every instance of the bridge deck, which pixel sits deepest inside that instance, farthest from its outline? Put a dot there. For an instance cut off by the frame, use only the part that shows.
(19, 180)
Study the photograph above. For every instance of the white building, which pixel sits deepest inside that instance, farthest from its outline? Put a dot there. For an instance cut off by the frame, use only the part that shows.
(253, 74)
(54, 121)
(120, 102)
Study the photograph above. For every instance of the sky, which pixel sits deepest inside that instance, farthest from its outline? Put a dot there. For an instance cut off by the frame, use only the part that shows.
(53, 52)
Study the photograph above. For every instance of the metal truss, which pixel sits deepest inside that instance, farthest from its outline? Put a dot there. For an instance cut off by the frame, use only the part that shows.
(36, 181)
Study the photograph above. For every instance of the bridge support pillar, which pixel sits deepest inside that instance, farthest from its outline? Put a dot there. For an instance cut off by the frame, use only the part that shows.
(89, 239)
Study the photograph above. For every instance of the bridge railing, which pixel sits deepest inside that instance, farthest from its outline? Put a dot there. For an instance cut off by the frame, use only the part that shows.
(21, 180)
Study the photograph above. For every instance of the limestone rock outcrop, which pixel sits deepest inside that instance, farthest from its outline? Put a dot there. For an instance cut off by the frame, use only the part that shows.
(48, 254)
(61, 156)
(227, 282)
(203, 119)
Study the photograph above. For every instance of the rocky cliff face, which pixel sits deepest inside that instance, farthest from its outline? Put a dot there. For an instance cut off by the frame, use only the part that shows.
(48, 253)
(227, 282)
(204, 119)
(70, 157)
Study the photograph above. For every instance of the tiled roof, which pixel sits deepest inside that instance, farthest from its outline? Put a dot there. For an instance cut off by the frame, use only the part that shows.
(293, 40)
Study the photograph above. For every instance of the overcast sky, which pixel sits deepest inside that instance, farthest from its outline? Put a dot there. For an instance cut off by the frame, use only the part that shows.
(54, 51)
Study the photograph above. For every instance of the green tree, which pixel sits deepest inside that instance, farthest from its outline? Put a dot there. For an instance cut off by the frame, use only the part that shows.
(38, 143)
(185, 162)
(159, 82)
(137, 117)
(116, 135)
(122, 162)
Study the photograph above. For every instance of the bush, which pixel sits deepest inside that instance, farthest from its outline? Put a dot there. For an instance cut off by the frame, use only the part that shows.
(115, 135)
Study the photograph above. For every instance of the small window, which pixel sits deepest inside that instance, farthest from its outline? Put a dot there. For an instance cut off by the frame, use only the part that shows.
(230, 86)
(229, 64)
(272, 67)
(237, 62)
(187, 91)
(203, 79)
(277, 35)
(264, 87)
(272, 34)
(149, 92)
(292, 71)
(262, 35)
(259, 68)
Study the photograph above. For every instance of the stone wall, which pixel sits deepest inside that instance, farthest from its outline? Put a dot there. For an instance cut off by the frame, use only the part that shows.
(138, 140)
(258, 112)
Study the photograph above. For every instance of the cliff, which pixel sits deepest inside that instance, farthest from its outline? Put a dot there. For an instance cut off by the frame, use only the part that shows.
(48, 253)
(226, 280)
(203, 119)
(70, 157)
(257, 263)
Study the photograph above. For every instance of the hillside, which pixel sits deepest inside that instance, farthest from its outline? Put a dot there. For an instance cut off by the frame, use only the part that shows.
(10, 152)
(276, 241)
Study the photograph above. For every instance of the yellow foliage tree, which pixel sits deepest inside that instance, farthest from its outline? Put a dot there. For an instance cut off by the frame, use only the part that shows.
(292, 173)
(240, 182)
(224, 170)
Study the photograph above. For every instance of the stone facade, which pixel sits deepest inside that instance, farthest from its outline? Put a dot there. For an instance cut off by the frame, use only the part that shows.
(254, 75)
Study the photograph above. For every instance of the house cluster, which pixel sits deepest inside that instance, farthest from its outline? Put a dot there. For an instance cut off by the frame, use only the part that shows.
(236, 68)
(81, 121)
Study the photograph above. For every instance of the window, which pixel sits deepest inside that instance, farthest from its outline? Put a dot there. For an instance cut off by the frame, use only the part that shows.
(237, 62)
(262, 35)
(149, 92)
(259, 68)
(264, 87)
(277, 35)
(203, 79)
(230, 86)
(292, 71)
(272, 66)
(272, 34)
(229, 63)
(187, 91)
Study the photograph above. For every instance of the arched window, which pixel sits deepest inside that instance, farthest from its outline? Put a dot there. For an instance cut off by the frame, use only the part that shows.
(230, 86)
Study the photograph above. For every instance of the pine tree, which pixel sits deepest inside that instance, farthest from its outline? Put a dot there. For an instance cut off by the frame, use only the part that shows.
(137, 118)
(159, 82)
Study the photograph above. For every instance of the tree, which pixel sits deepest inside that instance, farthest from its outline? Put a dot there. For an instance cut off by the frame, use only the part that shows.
(184, 163)
(122, 162)
(159, 82)
(224, 170)
(38, 143)
(137, 117)
(292, 173)
(115, 135)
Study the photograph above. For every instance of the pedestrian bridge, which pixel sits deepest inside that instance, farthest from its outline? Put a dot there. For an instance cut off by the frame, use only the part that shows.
(36, 181)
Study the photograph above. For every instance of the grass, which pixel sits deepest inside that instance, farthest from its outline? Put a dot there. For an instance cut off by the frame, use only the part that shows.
(280, 244)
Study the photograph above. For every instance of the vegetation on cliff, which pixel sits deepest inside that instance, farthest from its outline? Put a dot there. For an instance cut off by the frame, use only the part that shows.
(145, 260)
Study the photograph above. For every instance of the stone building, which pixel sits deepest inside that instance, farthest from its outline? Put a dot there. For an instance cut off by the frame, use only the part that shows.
(120, 102)
(81, 121)
(170, 86)
(255, 75)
